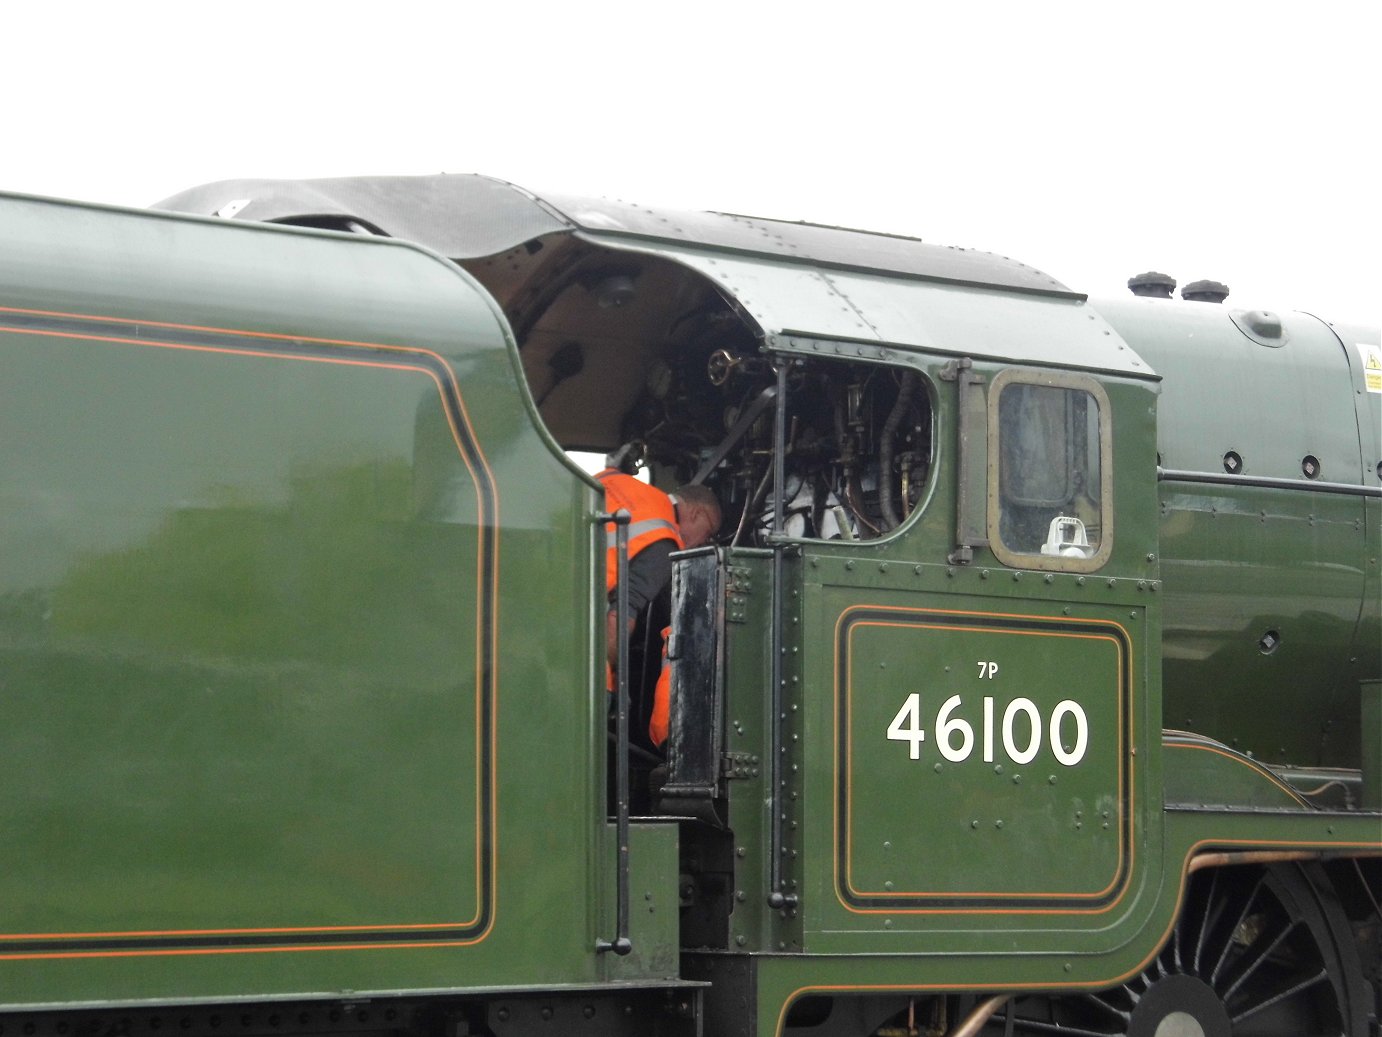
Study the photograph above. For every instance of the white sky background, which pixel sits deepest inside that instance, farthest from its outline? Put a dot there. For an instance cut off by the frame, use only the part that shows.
(1235, 141)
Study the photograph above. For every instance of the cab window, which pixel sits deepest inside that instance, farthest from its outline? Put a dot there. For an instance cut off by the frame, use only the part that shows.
(1049, 475)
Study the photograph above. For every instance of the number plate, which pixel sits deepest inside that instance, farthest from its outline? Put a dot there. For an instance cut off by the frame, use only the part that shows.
(981, 759)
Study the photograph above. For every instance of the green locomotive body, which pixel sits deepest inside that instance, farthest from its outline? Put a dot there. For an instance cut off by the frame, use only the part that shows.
(1040, 643)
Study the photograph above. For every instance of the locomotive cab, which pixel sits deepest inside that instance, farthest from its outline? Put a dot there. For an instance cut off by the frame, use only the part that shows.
(917, 509)
(304, 663)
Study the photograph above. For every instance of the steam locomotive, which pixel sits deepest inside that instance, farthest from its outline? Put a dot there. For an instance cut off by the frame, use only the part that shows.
(1032, 685)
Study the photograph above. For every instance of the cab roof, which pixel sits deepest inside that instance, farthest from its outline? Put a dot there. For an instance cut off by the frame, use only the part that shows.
(790, 279)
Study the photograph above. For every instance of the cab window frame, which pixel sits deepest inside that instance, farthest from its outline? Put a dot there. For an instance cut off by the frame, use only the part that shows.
(1027, 559)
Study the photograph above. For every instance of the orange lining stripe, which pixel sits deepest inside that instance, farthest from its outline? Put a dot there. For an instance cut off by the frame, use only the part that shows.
(257, 931)
(1131, 771)
(167, 952)
(849, 829)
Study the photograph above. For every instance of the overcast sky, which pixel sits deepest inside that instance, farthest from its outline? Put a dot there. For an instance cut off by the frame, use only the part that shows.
(1239, 142)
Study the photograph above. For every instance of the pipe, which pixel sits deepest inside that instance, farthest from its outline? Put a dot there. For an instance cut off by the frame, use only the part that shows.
(885, 450)
(1223, 859)
(983, 1011)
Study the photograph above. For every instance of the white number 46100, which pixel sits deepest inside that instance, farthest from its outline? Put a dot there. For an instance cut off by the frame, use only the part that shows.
(955, 736)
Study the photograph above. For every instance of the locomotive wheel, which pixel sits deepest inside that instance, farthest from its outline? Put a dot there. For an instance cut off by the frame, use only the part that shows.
(1255, 953)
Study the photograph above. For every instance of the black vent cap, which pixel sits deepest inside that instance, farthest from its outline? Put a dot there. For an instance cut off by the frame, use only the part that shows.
(1205, 291)
(1153, 285)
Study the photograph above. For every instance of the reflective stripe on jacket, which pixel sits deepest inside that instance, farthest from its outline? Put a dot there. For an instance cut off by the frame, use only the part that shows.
(652, 518)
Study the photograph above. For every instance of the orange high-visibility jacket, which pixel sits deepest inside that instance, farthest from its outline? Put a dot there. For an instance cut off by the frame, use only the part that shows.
(652, 517)
(662, 697)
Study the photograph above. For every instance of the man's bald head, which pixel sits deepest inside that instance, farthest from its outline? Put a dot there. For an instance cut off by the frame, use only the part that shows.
(698, 514)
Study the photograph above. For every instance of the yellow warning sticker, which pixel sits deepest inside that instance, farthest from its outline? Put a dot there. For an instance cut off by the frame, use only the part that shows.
(1372, 366)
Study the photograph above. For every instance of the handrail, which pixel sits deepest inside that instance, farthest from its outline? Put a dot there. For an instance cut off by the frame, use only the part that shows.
(621, 944)
(1263, 482)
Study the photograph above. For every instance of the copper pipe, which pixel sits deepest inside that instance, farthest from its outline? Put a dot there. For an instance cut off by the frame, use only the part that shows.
(1221, 860)
(976, 1019)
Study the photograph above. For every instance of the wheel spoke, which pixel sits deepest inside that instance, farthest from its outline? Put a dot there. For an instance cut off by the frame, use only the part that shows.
(1289, 992)
(1098, 1002)
(1211, 909)
(1213, 978)
(1259, 960)
(1176, 932)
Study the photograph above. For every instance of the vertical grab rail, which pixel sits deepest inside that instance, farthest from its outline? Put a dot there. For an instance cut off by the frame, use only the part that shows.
(621, 944)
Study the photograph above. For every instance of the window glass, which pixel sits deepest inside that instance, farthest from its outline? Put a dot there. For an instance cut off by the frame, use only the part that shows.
(1050, 472)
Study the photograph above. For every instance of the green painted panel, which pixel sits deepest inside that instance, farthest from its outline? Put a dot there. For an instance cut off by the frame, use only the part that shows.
(1218, 610)
(1204, 774)
(1223, 391)
(653, 905)
(224, 610)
